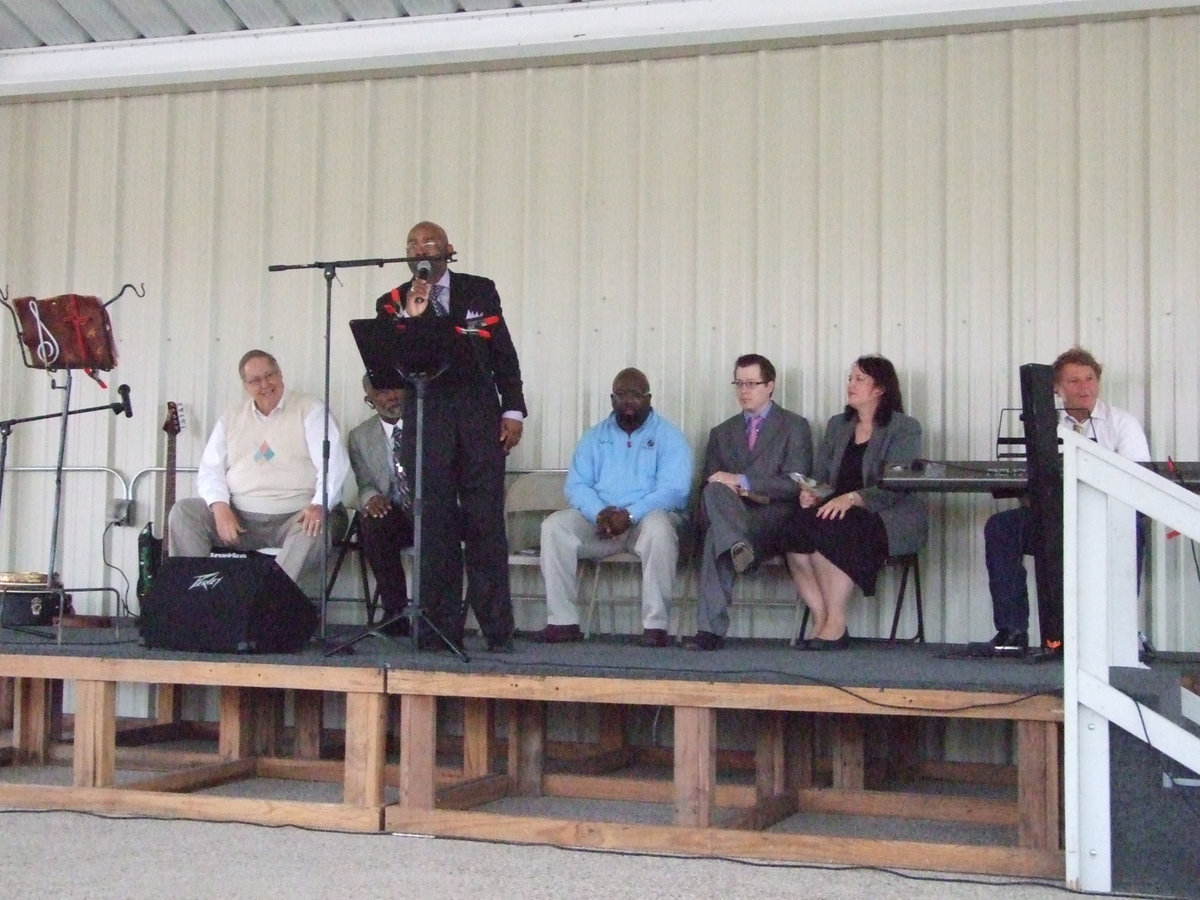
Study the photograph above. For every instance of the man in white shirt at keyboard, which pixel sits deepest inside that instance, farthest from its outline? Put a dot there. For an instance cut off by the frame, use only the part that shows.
(1008, 535)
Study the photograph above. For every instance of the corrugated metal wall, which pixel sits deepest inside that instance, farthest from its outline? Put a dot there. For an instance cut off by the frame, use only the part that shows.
(961, 203)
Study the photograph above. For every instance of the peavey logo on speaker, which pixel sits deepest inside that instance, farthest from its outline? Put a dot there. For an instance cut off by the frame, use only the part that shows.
(208, 581)
(234, 605)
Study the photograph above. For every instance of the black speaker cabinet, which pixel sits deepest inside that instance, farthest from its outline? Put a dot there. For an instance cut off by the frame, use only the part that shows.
(226, 605)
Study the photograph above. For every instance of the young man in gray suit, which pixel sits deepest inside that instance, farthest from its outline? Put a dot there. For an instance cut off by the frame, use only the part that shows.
(384, 498)
(747, 489)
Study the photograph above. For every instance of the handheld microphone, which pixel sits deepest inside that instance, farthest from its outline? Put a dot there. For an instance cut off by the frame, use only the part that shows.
(424, 269)
(126, 406)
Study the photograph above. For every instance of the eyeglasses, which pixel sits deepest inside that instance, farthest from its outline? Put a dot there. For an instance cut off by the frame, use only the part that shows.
(629, 395)
(427, 245)
(741, 385)
(260, 379)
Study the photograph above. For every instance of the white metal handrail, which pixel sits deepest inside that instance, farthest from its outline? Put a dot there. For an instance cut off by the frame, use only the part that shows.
(1100, 493)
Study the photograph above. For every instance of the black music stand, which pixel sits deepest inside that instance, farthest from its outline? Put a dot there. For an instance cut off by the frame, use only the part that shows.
(399, 353)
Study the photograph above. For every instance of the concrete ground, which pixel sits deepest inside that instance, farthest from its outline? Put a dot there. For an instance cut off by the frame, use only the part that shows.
(75, 855)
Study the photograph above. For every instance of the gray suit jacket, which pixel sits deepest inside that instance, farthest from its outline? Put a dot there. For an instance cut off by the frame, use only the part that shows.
(898, 443)
(371, 460)
(784, 445)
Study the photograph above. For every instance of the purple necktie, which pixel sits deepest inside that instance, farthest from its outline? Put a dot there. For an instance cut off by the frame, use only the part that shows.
(752, 428)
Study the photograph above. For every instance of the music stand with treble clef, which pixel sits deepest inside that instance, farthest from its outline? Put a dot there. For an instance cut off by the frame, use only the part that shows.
(401, 353)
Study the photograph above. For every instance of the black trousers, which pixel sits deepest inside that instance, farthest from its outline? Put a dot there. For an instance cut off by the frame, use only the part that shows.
(462, 510)
(382, 541)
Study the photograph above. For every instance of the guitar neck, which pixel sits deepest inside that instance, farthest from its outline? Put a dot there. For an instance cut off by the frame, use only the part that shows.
(168, 493)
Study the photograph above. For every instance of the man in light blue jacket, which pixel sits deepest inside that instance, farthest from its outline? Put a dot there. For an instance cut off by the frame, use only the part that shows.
(628, 488)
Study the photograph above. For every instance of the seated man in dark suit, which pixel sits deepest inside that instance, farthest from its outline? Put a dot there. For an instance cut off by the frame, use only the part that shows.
(747, 490)
(384, 498)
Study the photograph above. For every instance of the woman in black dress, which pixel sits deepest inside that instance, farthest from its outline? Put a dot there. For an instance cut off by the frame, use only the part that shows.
(845, 527)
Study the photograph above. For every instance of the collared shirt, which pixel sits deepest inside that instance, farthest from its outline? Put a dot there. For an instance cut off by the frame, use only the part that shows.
(743, 479)
(214, 463)
(649, 469)
(444, 284)
(1113, 429)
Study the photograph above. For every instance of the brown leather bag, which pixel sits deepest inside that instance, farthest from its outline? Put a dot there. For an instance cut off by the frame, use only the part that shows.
(71, 331)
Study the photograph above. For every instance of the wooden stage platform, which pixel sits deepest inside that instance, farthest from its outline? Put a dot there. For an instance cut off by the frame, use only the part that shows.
(756, 751)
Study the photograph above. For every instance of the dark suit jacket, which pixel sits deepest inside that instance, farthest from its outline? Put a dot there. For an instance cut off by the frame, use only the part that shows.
(490, 362)
(898, 443)
(371, 460)
(784, 445)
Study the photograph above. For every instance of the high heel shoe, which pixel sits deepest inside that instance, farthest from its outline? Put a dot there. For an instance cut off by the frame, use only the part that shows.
(842, 643)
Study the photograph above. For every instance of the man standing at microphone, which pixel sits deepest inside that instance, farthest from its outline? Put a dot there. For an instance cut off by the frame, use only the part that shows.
(473, 416)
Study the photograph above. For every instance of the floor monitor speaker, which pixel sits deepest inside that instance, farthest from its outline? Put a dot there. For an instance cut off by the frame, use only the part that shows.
(226, 605)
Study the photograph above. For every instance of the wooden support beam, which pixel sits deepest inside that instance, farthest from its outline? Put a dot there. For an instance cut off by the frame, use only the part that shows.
(32, 720)
(161, 732)
(774, 794)
(1038, 786)
(847, 752)
(234, 714)
(479, 736)
(196, 779)
(168, 703)
(821, 849)
(526, 747)
(7, 698)
(329, 771)
(366, 741)
(307, 709)
(472, 793)
(893, 804)
(695, 765)
(800, 734)
(418, 741)
(95, 733)
(266, 720)
(765, 813)
(610, 723)
(770, 754)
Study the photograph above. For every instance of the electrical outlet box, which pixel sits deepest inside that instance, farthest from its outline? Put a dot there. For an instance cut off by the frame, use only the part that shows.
(119, 511)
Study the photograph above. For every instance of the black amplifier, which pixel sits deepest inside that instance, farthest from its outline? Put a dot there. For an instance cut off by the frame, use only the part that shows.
(26, 607)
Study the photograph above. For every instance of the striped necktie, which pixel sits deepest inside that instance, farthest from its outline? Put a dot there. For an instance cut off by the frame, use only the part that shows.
(401, 494)
(435, 300)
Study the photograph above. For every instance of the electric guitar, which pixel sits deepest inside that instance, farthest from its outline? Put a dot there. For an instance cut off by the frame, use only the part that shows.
(151, 550)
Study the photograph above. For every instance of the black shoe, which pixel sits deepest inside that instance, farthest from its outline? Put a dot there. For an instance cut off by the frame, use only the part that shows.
(501, 645)
(559, 634)
(705, 640)
(1010, 642)
(842, 643)
(742, 555)
(653, 637)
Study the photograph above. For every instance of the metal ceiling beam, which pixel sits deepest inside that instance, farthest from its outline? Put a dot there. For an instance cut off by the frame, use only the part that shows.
(505, 36)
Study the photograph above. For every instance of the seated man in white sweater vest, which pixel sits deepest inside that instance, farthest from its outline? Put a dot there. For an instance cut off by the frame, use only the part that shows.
(259, 479)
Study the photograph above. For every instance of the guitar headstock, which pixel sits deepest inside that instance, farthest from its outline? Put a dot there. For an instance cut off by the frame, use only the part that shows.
(176, 421)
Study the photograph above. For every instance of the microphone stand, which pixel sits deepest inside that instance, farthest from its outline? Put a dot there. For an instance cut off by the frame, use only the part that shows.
(6, 427)
(330, 271)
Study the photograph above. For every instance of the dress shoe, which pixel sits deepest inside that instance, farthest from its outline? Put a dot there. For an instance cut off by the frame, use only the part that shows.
(842, 643)
(742, 555)
(705, 640)
(501, 645)
(1010, 642)
(560, 634)
(654, 637)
